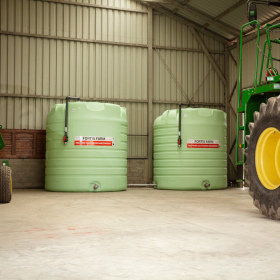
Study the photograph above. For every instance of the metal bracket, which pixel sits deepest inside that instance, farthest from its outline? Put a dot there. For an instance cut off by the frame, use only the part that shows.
(65, 138)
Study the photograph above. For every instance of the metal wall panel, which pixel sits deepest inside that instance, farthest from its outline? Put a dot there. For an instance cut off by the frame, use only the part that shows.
(184, 75)
(170, 33)
(62, 68)
(98, 50)
(74, 21)
(54, 67)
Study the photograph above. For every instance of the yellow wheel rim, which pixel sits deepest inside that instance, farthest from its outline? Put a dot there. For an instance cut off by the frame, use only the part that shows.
(267, 158)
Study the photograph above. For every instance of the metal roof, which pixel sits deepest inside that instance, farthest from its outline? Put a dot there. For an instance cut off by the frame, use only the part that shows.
(222, 18)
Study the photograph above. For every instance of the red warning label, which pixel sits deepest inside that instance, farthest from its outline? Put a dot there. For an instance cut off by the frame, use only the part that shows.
(94, 141)
(203, 144)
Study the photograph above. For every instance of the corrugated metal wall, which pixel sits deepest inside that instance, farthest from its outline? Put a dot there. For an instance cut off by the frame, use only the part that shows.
(182, 72)
(98, 50)
(85, 51)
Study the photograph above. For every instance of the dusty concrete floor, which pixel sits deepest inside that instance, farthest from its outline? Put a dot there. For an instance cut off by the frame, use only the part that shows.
(138, 234)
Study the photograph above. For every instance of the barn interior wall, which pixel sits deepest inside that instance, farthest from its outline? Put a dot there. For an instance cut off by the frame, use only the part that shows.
(98, 50)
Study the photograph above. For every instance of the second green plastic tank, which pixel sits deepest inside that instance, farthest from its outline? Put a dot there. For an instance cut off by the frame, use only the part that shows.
(95, 157)
(201, 161)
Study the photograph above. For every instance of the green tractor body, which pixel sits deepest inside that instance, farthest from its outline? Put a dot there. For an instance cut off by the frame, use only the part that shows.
(258, 127)
(2, 144)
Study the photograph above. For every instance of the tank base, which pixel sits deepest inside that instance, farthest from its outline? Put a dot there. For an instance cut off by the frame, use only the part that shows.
(191, 184)
(62, 184)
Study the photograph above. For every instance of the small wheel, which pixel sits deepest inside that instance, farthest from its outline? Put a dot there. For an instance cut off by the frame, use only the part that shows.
(5, 184)
(262, 167)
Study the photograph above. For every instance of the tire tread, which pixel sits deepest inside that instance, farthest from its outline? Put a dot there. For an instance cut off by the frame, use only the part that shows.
(268, 204)
(5, 184)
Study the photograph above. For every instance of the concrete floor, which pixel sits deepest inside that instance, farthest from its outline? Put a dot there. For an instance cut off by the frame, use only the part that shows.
(137, 234)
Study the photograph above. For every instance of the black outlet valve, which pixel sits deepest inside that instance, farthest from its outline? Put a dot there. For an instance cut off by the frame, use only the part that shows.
(65, 137)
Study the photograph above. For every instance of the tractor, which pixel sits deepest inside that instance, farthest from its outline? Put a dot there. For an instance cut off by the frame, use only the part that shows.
(258, 121)
(5, 177)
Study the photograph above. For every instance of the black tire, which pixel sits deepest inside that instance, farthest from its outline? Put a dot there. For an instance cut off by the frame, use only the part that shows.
(5, 184)
(267, 201)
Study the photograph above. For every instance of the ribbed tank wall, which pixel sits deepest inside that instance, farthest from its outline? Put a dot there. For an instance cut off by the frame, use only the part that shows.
(201, 161)
(95, 158)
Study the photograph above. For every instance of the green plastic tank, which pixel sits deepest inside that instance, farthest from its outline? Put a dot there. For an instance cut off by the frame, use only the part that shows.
(95, 157)
(201, 161)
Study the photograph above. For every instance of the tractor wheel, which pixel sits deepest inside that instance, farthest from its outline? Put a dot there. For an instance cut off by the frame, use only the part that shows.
(262, 167)
(5, 184)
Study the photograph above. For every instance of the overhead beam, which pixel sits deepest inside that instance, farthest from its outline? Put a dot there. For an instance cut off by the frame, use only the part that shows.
(252, 34)
(193, 11)
(184, 3)
(185, 49)
(209, 20)
(39, 36)
(162, 1)
(80, 4)
(263, 23)
(208, 55)
(188, 23)
(232, 8)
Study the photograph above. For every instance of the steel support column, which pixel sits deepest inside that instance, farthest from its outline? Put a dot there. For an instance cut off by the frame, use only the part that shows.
(227, 109)
(150, 94)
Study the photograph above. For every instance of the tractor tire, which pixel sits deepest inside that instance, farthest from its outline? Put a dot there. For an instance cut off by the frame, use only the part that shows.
(5, 184)
(262, 167)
